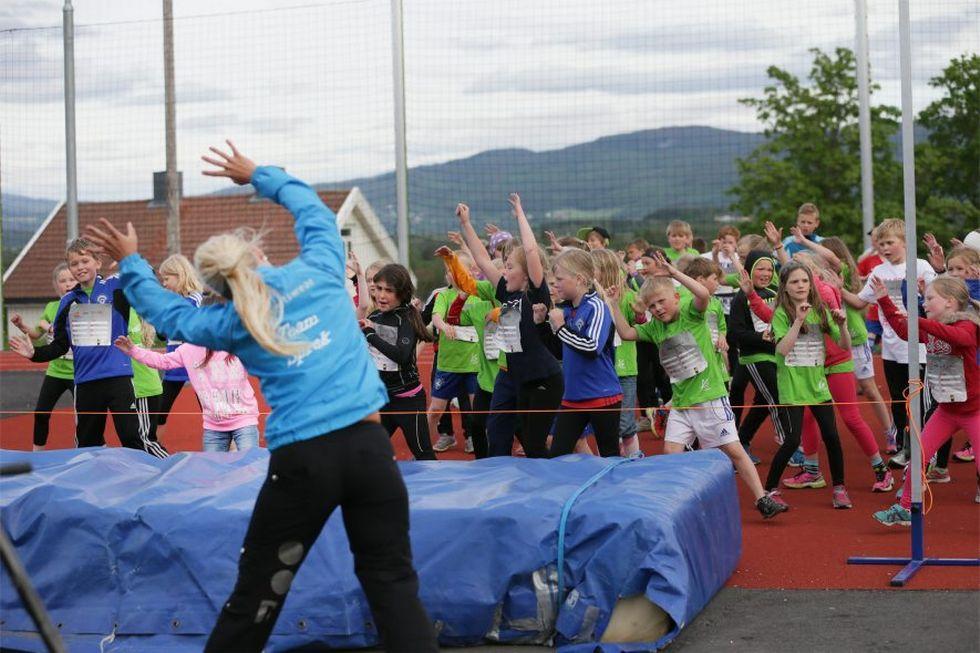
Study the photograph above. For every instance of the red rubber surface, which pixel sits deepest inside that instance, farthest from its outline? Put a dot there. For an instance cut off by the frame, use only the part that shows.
(805, 548)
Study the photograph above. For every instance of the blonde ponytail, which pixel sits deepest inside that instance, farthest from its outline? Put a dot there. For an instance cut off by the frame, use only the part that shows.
(227, 264)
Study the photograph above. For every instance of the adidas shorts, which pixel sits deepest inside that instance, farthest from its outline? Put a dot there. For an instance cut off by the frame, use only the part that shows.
(712, 423)
(864, 364)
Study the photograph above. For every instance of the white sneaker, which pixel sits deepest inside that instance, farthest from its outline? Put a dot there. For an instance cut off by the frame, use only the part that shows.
(468, 447)
(444, 442)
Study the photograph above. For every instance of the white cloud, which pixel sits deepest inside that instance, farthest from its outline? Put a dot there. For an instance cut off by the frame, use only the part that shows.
(310, 86)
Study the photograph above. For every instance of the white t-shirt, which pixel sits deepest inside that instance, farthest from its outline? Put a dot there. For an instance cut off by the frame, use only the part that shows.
(894, 348)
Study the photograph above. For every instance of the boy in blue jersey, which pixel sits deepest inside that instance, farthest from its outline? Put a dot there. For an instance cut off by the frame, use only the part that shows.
(294, 328)
(90, 316)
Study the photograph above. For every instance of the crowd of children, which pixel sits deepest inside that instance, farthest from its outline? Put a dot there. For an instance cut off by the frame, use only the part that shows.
(542, 348)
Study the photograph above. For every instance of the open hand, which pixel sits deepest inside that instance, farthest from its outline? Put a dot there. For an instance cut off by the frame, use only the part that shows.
(745, 282)
(443, 252)
(236, 166)
(123, 344)
(491, 229)
(773, 235)
(515, 205)
(879, 288)
(22, 345)
(797, 235)
(112, 242)
(463, 213)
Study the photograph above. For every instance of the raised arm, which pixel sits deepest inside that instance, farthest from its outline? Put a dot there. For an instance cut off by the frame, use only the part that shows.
(316, 225)
(775, 238)
(60, 343)
(817, 248)
(479, 252)
(611, 296)
(701, 295)
(535, 271)
(460, 275)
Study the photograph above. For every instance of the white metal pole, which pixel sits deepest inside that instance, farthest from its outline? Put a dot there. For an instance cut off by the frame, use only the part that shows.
(401, 148)
(68, 34)
(911, 272)
(864, 117)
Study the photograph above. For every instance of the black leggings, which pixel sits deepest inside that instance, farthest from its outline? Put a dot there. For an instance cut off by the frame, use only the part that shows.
(51, 390)
(412, 422)
(897, 377)
(352, 468)
(571, 422)
(478, 423)
(538, 402)
(736, 393)
(763, 378)
(824, 414)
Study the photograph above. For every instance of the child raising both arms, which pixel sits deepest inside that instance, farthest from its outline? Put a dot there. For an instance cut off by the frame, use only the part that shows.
(688, 354)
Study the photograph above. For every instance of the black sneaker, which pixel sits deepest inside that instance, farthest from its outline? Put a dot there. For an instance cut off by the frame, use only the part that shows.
(769, 508)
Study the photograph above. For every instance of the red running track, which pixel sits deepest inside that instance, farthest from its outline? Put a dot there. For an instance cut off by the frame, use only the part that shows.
(805, 548)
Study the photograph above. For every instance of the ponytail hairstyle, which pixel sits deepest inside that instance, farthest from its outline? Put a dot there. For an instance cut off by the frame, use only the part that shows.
(813, 297)
(227, 264)
(609, 271)
(578, 263)
(953, 288)
(837, 246)
(514, 248)
(58, 269)
(400, 280)
(187, 280)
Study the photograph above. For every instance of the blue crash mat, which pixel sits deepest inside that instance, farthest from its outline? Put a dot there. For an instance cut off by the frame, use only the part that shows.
(138, 553)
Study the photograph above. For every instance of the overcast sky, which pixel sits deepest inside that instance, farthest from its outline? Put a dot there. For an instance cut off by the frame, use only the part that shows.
(310, 86)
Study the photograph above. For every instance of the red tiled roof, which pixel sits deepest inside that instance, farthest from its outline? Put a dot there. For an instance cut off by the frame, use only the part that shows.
(200, 217)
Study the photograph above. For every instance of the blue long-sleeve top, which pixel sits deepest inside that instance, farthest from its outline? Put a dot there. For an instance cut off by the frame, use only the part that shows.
(330, 385)
(588, 350)
(95, 362)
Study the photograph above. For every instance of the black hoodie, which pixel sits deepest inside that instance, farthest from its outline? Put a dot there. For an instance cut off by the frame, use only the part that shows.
(398, 343)
(742, 330)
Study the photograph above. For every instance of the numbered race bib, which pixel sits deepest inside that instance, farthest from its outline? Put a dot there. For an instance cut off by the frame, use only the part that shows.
(712, 320)
(390, 335)
(617, 341)
(945, 377)
(466, 334)
(491, 345)
(90, 324)
(808, 350)
(681, 357)
(760, 325)
(509, 330)
(894, 287)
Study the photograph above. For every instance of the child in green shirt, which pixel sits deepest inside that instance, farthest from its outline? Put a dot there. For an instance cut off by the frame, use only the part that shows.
(688, 354)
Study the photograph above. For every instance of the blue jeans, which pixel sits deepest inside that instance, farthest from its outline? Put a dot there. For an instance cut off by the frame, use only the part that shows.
(245, 438)
(627, 418)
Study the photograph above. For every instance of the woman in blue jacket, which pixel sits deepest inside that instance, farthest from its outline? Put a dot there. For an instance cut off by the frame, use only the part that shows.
(294, 328)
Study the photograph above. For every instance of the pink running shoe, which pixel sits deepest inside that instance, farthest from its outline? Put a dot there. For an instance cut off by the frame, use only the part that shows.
(777, 497)
(965, 455)
(841, 500)
(884, 482)
(805, 479)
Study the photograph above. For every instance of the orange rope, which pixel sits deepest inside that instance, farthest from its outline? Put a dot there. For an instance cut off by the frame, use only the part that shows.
(911, 393)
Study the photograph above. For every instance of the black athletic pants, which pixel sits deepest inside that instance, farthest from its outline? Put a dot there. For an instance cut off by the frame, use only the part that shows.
(147, 412)
(824, 414)
(51, 390)
(897, 377)
(763, 378)
(412, 422)
(571, 422)
(115, 394)
(352, 468)
(478, 423)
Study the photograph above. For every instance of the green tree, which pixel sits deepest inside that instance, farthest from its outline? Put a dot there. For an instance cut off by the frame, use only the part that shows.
(947, 165)
(812, 150)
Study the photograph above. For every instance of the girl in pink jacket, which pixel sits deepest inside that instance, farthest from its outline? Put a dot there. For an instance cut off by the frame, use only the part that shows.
(230, 409)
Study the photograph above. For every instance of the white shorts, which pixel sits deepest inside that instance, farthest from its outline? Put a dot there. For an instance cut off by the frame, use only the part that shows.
(864, 364)
(712, 423)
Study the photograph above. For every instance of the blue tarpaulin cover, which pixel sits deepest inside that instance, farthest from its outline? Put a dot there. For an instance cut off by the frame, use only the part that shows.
(133, 553)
